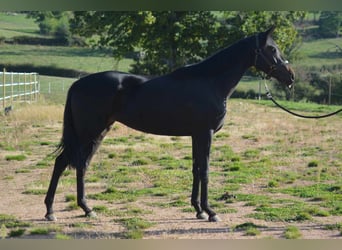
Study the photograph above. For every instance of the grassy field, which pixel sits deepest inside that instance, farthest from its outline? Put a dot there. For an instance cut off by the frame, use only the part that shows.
(17, 25)
(277, 177)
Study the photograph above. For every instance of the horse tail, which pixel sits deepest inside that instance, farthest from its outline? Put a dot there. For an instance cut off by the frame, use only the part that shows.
(69, 141)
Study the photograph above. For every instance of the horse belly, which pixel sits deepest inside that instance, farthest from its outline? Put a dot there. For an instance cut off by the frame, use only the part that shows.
(159, 123)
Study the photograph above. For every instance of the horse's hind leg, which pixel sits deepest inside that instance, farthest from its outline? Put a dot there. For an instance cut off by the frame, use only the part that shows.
(81, 200)
(60, 165)
(87, 153)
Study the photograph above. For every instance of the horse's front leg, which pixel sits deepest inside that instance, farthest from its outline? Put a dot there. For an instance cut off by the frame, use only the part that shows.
(195, 198)
(201, 144)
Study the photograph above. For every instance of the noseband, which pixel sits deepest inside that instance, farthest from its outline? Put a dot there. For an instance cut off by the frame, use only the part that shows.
(259, 52)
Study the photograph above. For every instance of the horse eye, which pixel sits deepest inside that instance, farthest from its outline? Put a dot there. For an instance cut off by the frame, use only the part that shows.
(274, 50)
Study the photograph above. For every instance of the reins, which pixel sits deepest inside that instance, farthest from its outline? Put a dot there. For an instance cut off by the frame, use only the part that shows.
(269, 96)
(258, 52)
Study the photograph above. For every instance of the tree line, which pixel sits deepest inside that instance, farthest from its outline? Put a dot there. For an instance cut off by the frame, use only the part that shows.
(160, 41)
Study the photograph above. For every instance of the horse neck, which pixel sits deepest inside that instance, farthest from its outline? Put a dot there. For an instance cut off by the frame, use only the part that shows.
(227, 67)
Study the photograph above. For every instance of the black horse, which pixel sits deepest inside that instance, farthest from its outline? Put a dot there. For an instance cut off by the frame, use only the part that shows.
(190, 101)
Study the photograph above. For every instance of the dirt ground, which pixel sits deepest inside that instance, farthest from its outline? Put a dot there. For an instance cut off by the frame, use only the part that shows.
(169, 222)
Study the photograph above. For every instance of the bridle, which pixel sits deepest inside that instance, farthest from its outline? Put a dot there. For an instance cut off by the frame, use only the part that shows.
(258, 52)
(273, 67)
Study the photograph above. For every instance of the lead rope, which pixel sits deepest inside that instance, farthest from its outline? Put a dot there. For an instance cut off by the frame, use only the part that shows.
(269, 96)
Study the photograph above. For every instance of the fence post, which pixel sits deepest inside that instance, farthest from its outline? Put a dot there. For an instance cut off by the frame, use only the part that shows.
(31, 95)
(12, 88)
(25, 90)
(4, 88)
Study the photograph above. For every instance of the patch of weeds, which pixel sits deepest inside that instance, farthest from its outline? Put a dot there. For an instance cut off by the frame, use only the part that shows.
(45, 230)
(288, 213)
(292, 232)
(35, 191)
(139, 162)
(273, 184)
(81, 225)
(225, 210)
(252, 232)
(9, 221)
(250, 137)
(252, 199)
(101, 209)
(250, 228)
(17, 232)
(337, 210)
(20, 157)
(222, 135)
(70, 197)
(112, 155)
(310, 191)
(113, 194)
(66, 172)
(42, 164)
(72, 206)
(313, 164)
(222, 153)
(251, 153)
(8, 177)
(311, 151)
(315, 211)
(92, 179)
(22, 171)
(60, 236)
(116, 140)
(40, 231)
(135, 227)
(337, 226)
(45, 143)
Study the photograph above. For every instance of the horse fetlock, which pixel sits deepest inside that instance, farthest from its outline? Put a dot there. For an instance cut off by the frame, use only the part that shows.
(214, 218)
(50, 217)
(91, 214)
(202, 216)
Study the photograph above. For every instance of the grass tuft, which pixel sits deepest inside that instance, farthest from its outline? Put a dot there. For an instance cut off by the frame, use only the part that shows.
(292, 232)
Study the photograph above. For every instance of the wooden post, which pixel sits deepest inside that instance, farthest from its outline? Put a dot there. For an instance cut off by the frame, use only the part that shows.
(4, 88)
(329, 98)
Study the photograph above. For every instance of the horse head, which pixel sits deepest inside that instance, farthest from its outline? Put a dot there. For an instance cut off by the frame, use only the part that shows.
(269, 59)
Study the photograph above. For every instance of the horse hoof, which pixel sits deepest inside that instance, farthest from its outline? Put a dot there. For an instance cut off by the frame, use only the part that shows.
(91, 214)
(202, 216)
(50, 217)
(214, 218)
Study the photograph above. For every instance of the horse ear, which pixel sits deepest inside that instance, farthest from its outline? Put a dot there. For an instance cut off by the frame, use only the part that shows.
(270, 31)
(265, 35)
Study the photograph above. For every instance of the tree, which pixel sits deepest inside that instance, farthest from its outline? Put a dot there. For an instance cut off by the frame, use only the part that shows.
(169, 39)
(55, 23)
(329, 24)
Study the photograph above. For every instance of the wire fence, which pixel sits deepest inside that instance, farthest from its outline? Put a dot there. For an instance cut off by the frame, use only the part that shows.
(18, 87)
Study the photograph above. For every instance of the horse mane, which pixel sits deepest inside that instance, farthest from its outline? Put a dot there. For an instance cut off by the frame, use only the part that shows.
(213, 64)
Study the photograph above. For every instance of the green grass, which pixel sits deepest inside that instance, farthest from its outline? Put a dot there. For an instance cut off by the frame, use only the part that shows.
(292, 232)
(10, 221)
(20, 157)
(17, 25)
(135, 227)
(319, 52)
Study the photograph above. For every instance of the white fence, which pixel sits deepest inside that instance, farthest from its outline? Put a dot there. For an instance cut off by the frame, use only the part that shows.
(17, 86)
